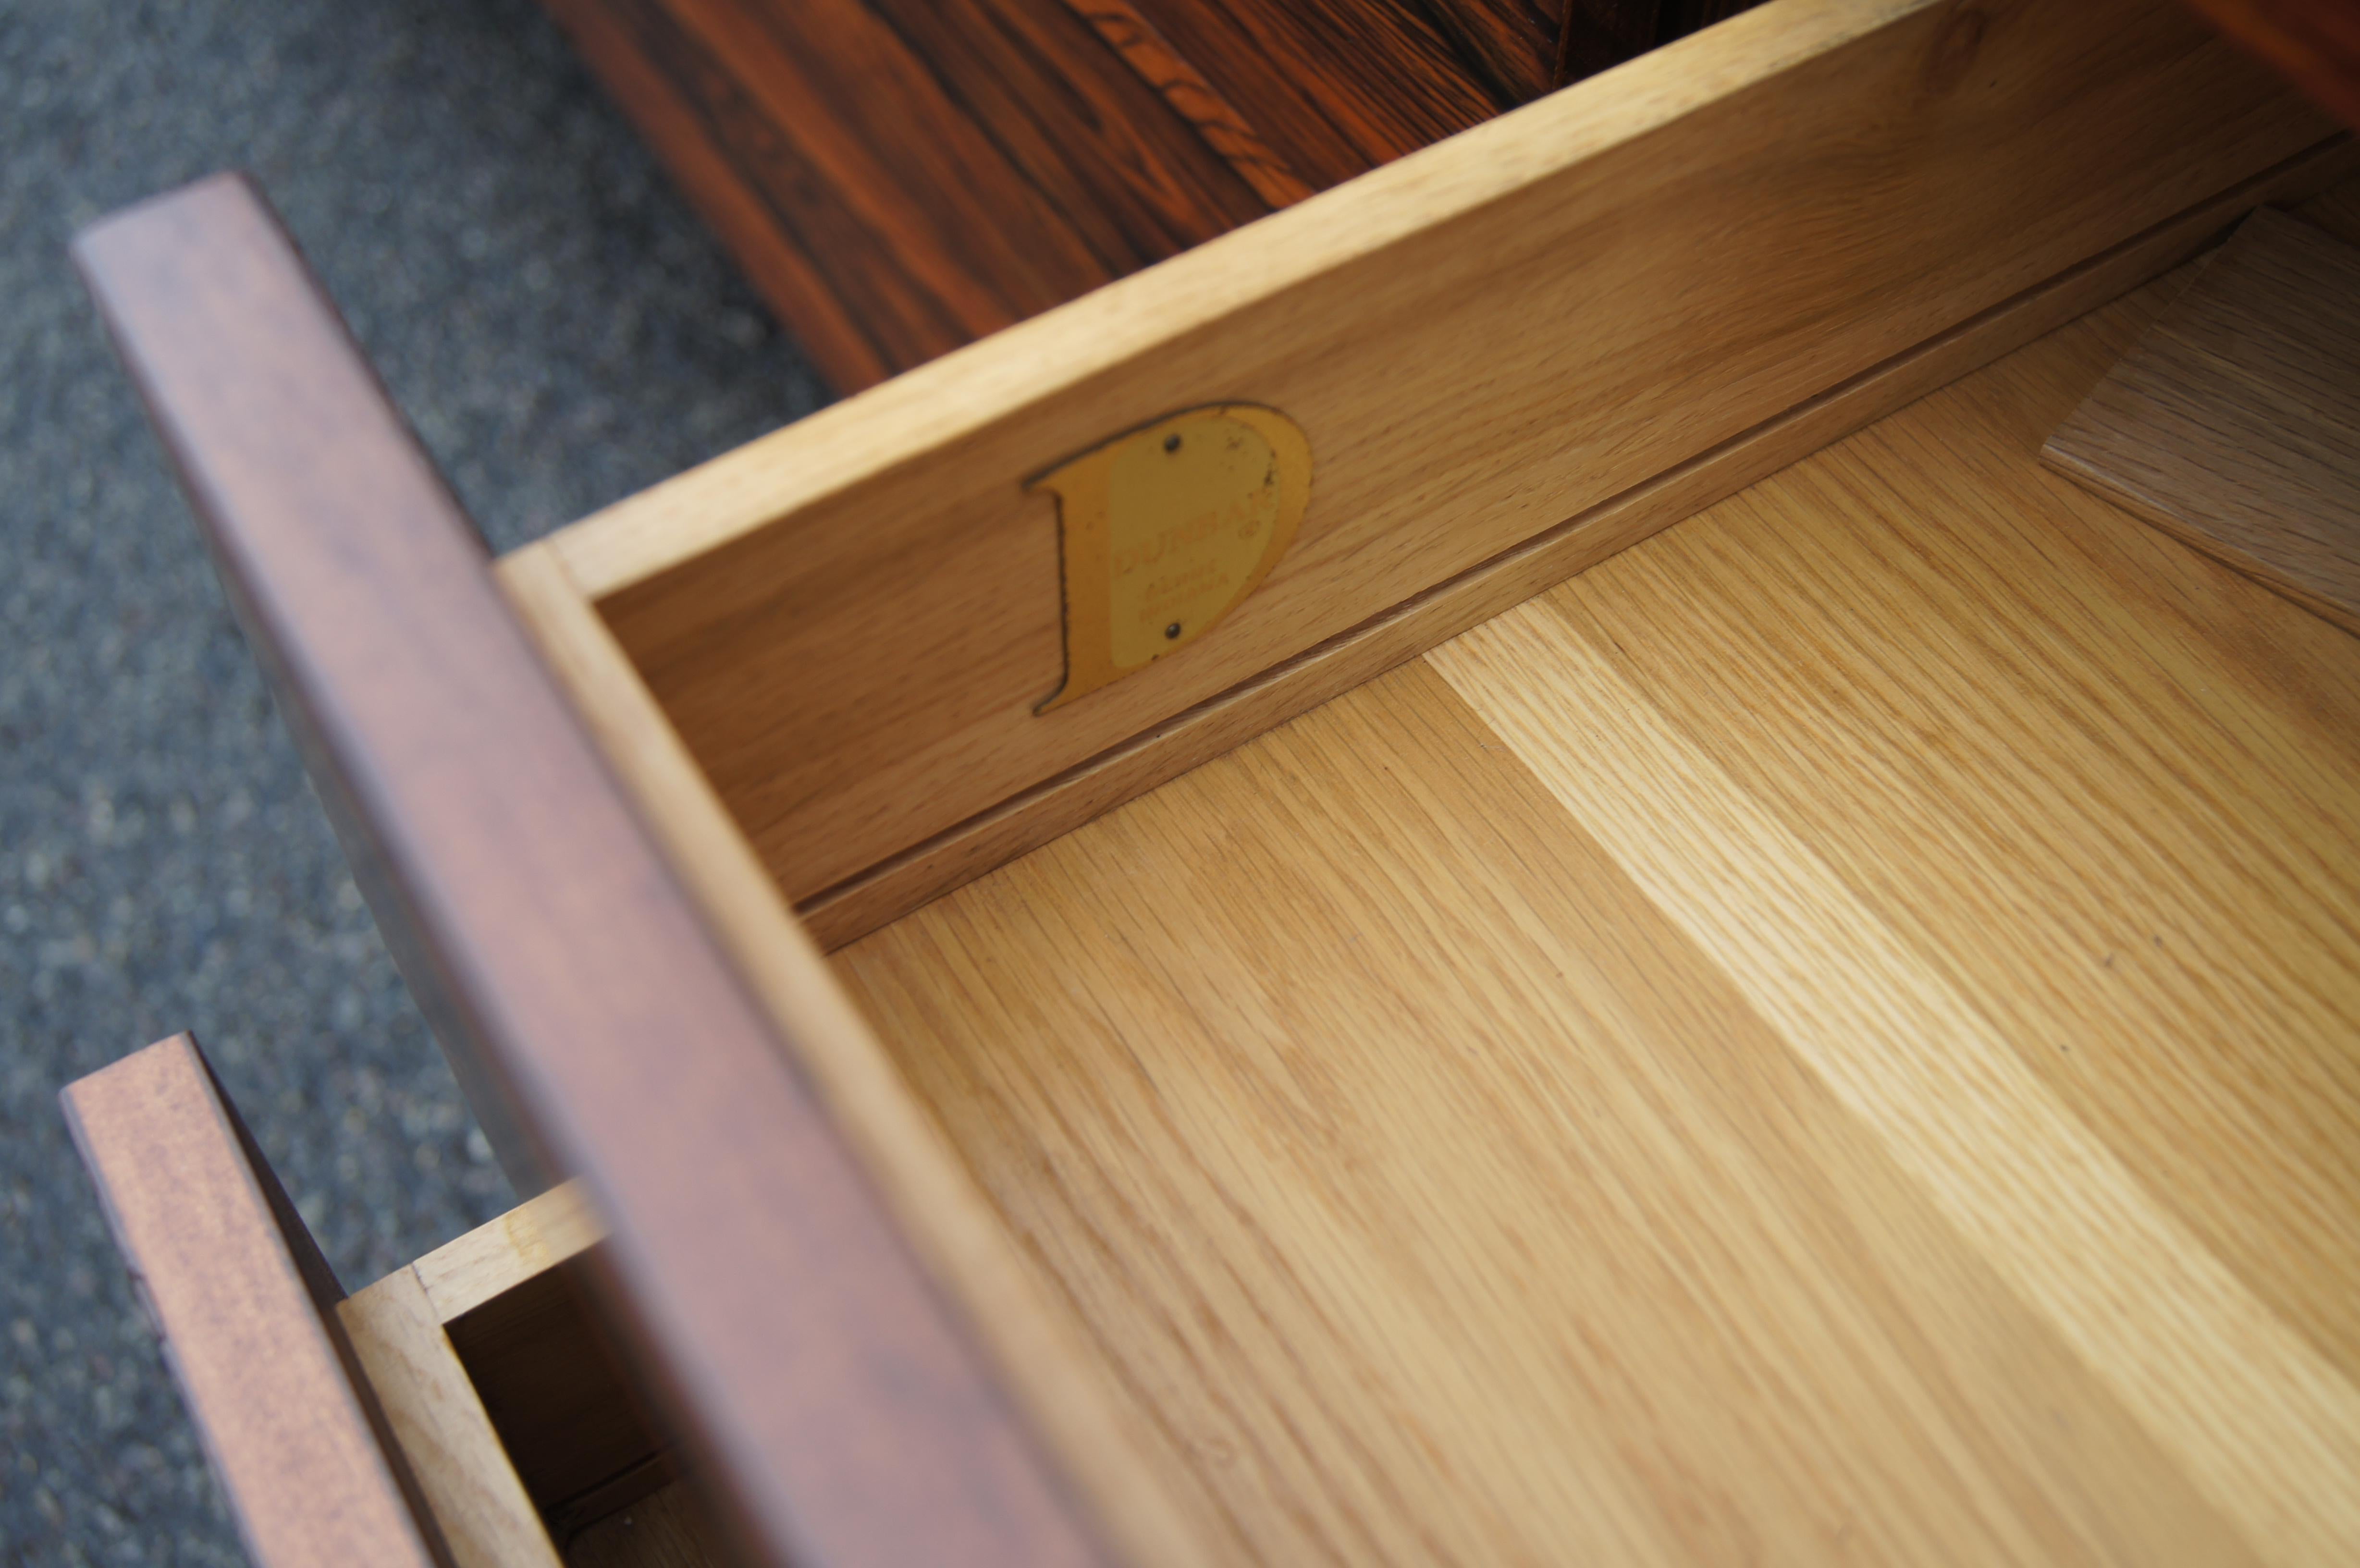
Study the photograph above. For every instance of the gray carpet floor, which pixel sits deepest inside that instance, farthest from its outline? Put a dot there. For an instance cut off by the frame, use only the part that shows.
(561, 332)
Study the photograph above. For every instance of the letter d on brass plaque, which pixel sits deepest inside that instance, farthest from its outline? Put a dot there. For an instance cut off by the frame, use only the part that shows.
(1162, 531)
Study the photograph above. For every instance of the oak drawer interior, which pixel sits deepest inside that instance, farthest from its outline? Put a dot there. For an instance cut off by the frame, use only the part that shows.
(1767, 1048)
(1831, 1030)
(1823, 1029)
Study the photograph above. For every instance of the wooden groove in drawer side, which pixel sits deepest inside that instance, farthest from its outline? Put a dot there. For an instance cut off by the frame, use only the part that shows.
(884, 893)
(851, 621)
(893, 887)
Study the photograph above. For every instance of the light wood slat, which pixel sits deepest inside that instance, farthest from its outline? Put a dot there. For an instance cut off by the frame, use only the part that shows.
(435, 1416)
(851, 621)
(2236, 422)
(501, 1254)
(1708, 1088)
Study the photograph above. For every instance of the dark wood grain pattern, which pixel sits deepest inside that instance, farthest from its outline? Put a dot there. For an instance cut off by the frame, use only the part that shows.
(1513, 42)
(1596, 33)
(244, 1304)
(1340, 86)
(831, 1404)
(2315, 42)
(2236, 423)
(1224, 127)
(1679, 18)
(901, 177)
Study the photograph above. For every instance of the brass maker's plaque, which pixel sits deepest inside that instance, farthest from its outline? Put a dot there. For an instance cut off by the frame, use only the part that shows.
(1162, 531)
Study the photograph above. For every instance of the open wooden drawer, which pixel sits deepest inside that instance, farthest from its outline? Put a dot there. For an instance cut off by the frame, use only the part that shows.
(467, 1407)
(1830, 1033)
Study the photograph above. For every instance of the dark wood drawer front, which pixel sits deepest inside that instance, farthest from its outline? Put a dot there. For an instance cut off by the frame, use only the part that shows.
(821, 1384)
(246, 1306)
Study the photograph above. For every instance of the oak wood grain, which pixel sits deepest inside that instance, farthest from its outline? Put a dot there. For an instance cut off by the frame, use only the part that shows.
(902, 883)
(852, 621)
(2236, 422)
(487, 1262)
(246, 1307)
(832, 1401)
(511, 1299)
(432, 1406)
(1829, 1035)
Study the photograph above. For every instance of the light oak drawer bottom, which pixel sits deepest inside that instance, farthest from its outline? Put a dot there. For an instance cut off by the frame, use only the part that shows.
(1830, 1032)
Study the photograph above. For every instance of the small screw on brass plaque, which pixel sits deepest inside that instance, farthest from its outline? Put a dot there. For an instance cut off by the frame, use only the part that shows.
(1163, 530)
